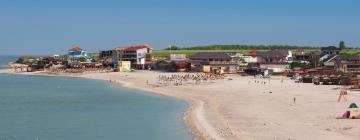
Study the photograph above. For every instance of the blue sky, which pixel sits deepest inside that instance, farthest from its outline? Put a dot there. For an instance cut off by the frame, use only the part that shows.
(51, 27)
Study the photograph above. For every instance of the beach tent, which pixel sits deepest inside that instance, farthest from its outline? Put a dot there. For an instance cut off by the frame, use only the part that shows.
(353, 105)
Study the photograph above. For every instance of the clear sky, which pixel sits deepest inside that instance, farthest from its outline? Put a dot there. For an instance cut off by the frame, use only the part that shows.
(53, 26)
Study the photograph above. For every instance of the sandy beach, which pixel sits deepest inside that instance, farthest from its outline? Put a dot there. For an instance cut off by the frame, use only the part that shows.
(239, 108)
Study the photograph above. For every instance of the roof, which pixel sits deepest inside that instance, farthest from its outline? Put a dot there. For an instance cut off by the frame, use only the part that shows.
(222, 63)
(252, 52)
(273, 53)
(210, 55)
(330, 48)
(76, 48)
(273, 63)
(137, 47)
(119, 48)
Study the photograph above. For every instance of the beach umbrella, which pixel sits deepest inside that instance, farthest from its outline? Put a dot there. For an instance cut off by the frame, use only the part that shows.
(353, 105)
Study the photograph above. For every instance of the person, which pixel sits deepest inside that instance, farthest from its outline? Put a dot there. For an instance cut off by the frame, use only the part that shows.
(294, 100)
(343, 93)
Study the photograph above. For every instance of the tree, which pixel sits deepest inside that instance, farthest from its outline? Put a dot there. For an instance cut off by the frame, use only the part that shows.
(172, 47)
(82, 59)
(342, 45)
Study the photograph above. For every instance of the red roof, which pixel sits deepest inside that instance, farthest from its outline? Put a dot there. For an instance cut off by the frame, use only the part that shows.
(119, 48)
(137, 47)
(252, 53)
(76, 48)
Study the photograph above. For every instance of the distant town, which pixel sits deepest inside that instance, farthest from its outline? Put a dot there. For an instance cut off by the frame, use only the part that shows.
(325, 65)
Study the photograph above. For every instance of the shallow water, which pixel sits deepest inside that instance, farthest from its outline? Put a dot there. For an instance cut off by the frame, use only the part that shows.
(56, 108)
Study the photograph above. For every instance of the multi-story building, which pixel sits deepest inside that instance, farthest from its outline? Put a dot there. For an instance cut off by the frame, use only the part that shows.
(78, 55)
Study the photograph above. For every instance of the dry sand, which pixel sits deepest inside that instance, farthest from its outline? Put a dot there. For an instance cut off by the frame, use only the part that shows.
(243, 109)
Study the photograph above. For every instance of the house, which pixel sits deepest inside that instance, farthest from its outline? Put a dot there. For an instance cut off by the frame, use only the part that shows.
(178, 63)
(274, 60)
(331, 50)
(301, 57)
(274, 56)
(217, 62)
(78, 55)
(178, 57)
(276, 67)
(349, 64)
(111, 57)
(250, 59)
(138, 55)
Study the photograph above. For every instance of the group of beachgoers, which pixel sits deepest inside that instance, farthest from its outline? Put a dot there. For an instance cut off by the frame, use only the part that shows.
(262, 80)
(190, 78)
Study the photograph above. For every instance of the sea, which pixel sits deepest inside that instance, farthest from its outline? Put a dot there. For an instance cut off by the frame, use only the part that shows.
(59, 108)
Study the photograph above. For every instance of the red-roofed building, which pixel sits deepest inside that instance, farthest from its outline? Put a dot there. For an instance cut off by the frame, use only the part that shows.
(76, 48)
(138, 55)
(78, 55)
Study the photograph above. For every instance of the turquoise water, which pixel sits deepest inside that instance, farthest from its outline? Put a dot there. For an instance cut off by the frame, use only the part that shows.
(55, 108)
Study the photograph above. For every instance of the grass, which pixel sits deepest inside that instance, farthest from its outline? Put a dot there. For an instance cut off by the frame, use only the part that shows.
(189, 53)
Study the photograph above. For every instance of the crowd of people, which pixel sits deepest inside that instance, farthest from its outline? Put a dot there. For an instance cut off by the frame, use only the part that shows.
(190, 78)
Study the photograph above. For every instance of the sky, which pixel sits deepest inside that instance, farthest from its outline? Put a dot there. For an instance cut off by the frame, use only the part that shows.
(53, 26)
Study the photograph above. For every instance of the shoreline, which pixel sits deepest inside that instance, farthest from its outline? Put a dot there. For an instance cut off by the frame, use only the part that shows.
(188, 116)
(243, 109)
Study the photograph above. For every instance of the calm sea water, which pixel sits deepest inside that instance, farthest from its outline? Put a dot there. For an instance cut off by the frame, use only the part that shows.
(4, 60)
(55, 108)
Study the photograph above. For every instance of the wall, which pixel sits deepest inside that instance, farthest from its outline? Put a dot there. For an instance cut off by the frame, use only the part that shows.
(275, 68)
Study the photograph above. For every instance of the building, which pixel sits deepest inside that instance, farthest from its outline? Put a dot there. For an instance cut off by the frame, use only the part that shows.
(138, 55)
(331, 50)
(300, 56)
(274, 56)
(216, 62)
(178, 57)
(178, 63)
(111, 57)
(78, 55)
(275, 60)
(276, 67)
(347, 64)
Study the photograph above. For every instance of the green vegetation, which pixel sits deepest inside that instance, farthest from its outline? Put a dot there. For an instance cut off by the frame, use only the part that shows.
(172, 47)
(166, 53)
(189, 53)
(28, 60)
(342, 45)
(243, 47)
(82, 59)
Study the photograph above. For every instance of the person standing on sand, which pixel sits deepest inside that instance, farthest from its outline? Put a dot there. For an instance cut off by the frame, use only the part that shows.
(343, 93)
(294, 100)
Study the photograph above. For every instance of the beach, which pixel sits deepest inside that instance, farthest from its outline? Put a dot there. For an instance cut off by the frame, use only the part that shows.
(239, 108)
